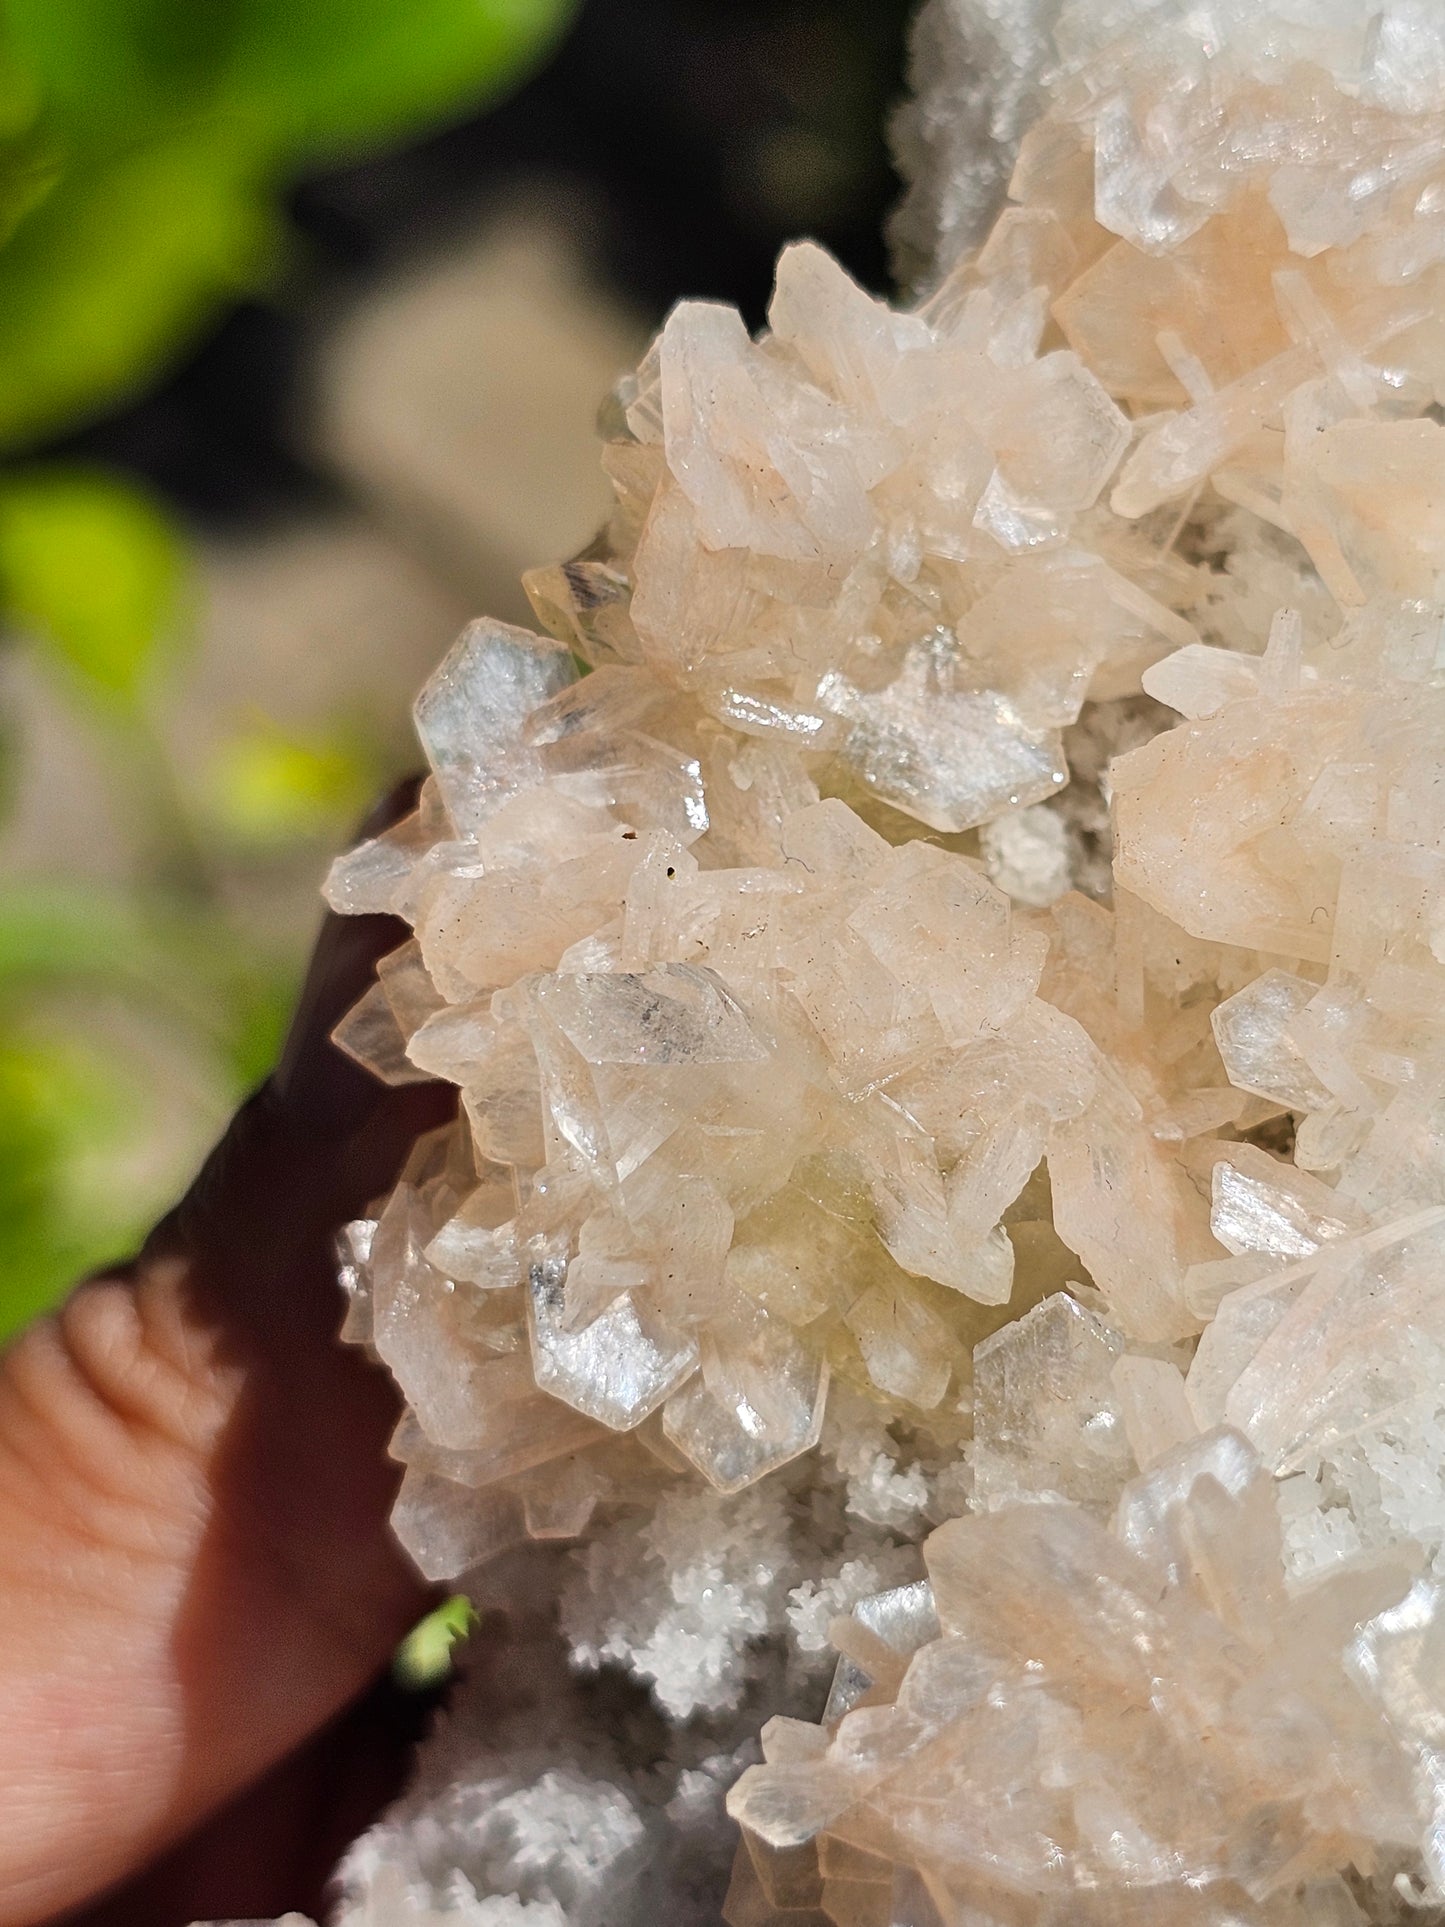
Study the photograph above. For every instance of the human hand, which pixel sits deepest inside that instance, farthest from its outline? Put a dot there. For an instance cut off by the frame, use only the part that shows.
(197, 1581)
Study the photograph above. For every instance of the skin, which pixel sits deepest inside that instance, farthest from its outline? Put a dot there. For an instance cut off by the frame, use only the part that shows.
(199, 1594)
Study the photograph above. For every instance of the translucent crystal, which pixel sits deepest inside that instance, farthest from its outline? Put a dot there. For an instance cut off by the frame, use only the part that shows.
(1046, 1417)
(756, 1403)
(617, 1368)
(951, 757)
(1262, 1205)
(1252, 1029)
(673, 1015)
(1306, 1379)
(371, 1034)
(469, 717)
(949, 1015)
(1006, 1763)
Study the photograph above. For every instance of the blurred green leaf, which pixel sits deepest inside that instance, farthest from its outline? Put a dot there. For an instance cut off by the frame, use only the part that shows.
(76, 1110)
(60, 1105)
(310, 81)
(34, 1261)
(258, 1012)
(269, 786)
(424, 1657)
(93, 568)
(112, 70)
(29, 169)
(113, 270)
(186, 960)
(59, 932)
(143, 143)
(342, 75)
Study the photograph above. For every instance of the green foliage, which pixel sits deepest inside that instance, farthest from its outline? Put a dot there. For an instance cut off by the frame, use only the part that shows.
(54, 933)
(75, 1109)
(60, 1106)
(424, 1657)
(305, 84)
(271, 786)
(114, 269)
(143, 142)
(92, 567)
(144, 145)
(335, 76)
(180, 960)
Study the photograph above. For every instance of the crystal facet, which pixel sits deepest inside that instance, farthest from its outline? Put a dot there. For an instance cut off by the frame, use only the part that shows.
(949, 1011)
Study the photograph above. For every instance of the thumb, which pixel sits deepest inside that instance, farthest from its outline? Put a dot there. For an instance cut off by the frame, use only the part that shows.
(195, 1567)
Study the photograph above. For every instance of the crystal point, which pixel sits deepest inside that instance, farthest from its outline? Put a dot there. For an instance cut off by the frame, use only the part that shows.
(949, 1017)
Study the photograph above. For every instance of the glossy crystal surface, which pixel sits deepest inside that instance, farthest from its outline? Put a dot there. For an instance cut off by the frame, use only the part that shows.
(948, 1015)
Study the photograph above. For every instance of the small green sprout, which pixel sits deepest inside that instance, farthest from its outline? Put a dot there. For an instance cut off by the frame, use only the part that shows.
(424, 1657)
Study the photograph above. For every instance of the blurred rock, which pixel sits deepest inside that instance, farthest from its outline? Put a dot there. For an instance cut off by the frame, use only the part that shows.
(461, 401)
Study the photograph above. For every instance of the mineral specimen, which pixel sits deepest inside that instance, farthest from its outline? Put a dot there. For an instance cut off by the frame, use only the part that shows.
(838, 1182)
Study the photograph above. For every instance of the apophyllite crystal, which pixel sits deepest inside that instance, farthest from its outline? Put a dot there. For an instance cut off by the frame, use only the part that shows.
(950, 1019)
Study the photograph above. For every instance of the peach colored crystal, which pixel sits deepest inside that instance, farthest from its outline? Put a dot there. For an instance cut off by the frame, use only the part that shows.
(1098, 1231)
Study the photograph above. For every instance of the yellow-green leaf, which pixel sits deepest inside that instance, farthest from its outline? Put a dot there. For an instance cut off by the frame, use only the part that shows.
(344, 75)
(94, 570)
(113, 269)
(424, 1657)
(269, 785)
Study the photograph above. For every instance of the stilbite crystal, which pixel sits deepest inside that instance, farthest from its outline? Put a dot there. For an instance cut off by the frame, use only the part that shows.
(834, 1180)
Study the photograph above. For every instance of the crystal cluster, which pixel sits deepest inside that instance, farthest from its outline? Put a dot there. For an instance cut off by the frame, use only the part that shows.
(950, 1020)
